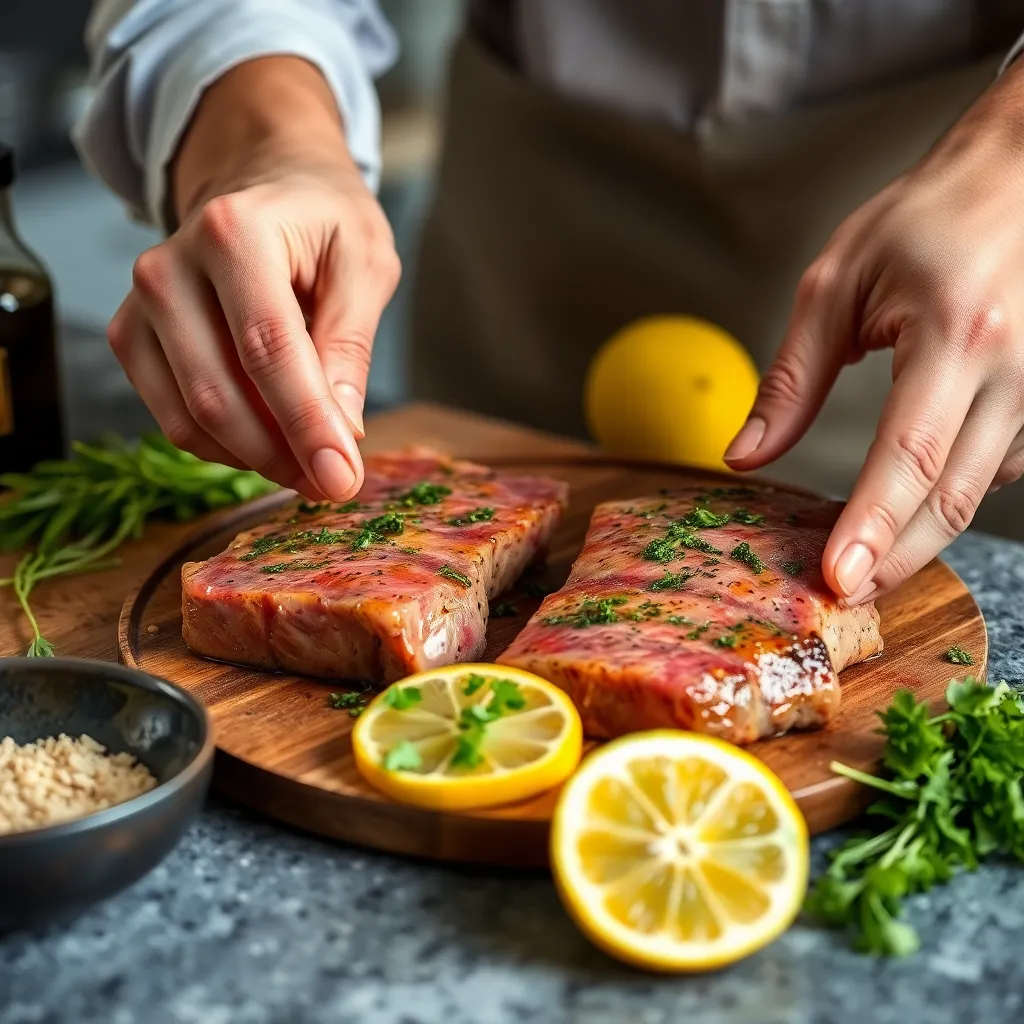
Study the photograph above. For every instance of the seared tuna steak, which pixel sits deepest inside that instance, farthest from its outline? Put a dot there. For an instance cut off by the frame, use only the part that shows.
(701, 609)
(394, 582)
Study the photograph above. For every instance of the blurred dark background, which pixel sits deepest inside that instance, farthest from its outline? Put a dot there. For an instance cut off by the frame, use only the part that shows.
(88, 242)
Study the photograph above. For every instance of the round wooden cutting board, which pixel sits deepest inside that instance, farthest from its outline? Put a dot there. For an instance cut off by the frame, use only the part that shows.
(285, 752)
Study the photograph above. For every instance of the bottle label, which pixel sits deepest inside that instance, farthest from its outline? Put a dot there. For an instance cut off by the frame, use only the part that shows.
(6, 404)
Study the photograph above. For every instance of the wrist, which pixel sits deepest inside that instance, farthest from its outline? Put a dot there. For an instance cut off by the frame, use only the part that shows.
(257, 119)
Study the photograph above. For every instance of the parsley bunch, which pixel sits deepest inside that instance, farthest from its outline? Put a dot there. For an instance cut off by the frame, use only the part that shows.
(953, 798)
(75, 513)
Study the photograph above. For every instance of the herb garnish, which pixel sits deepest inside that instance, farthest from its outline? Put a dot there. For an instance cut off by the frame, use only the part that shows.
(726, 640)
(671, 581)
(793, 568)
(424, 493)
(743, 515)
(298, 564)
(473, 683)
(452, 574)
(660, 550)
(590, 613)
(696, 634)
(504, 610)
(77, 512)
(958, 656)
(704, 519)
(952, 799)
(354, 702)
(378, 529)
(401, 698)
(688, 539)
(678, 620)
(743, 553)
(505, 696)
(350, 506)
(478, 515)
(403, 757)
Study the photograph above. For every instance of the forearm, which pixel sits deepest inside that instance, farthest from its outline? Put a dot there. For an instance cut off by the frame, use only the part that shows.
(253, 119)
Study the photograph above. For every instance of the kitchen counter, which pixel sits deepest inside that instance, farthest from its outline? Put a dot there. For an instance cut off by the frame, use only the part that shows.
(250, 923)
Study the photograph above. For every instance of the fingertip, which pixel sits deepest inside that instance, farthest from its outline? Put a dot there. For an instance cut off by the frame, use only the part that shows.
(332, 473)
(747, 441)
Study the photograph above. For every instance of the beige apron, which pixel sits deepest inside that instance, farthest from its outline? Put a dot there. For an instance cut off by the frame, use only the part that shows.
(556, 222)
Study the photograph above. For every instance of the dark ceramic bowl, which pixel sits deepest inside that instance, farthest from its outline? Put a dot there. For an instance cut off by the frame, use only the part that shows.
(53, 873)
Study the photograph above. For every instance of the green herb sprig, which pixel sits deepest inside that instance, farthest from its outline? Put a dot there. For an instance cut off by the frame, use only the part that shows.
(74, 514)
(951, 798)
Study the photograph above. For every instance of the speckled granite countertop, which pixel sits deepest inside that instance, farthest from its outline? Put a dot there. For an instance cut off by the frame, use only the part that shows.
(248, 923)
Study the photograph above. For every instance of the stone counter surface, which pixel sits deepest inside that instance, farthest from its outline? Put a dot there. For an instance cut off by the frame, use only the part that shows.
(250, 923)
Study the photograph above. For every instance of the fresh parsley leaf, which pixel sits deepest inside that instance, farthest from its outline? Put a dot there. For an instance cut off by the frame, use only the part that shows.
(743, 553)
(424, 493)
(473, 683)
(504, 610)
(478, 515)
(793, 568)
(660, 550)
(401, 698)
(742, 515)
(403, 757)
(958, 656)
(704, 519)
(353, 703)
(589, 612)
(726, 640)
(671, 581)
(951, 796)
(452, 574)
(504, 697)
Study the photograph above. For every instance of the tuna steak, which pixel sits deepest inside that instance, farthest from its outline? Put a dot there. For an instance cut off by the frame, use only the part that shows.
(393, 583)
(700, 609)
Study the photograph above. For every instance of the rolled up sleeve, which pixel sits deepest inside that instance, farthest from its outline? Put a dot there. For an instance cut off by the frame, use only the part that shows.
(152, 60)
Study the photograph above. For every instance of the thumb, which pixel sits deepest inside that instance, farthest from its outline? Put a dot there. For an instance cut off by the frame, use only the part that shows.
(795, 386)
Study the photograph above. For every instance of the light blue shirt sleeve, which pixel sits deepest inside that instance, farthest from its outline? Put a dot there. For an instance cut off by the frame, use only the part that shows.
(152, 59)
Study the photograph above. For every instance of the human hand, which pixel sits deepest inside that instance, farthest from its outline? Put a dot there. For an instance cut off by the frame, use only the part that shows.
(248, 332)
(931, 267)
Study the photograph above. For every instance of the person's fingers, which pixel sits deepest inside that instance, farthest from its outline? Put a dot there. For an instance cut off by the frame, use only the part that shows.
(135, 344)
(189, 326)
(354, 285)
(254, 286)
(920, 421)
(796, 384)
(1012, 467)
(973, 462)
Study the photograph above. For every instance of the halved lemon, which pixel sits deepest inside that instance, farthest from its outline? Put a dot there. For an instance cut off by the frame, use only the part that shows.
(678, 852)
(467, 736)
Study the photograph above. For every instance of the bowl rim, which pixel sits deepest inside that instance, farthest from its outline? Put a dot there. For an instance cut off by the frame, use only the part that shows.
(199, 763)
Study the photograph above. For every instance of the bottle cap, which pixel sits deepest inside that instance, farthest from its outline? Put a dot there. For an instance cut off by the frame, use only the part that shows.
(6, 166)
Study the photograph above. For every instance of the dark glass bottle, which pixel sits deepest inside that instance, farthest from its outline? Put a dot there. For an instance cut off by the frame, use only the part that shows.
(31, 421)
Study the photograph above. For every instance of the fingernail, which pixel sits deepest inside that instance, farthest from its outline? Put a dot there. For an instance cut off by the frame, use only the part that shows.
(864, 594)
(852, 568)
(746, 441)
(332, 473)
(351, 403)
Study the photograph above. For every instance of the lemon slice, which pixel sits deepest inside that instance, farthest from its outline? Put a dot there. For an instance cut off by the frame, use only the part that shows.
(467, 736)
(678, 852)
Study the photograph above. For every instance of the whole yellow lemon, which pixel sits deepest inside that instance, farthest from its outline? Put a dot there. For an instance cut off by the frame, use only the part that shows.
(671, 388)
